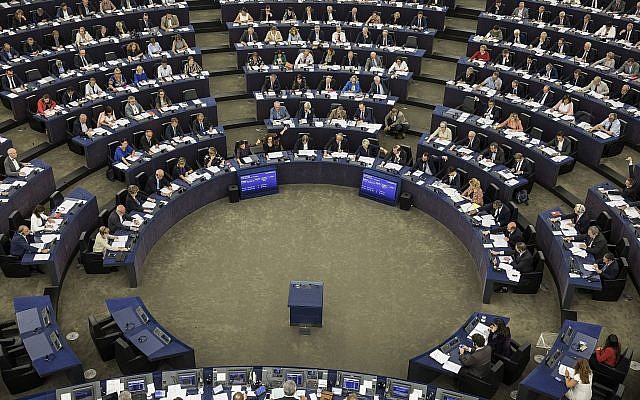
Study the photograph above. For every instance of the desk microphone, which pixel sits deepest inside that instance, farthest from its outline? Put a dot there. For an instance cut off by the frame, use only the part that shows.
(142, 339)
(128, 326)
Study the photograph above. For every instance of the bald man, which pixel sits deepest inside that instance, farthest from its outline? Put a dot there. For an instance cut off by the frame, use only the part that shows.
(511, 233)
(157, 182)
(21, 243)
(11, 164)
(117, 218)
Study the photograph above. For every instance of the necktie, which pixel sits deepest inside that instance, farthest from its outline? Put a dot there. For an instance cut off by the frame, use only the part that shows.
(379, 90)
(362, 115)
(328, 86)
(202, 125)
(84, 61)
(544, 96)
(628, 36)
(157, 184)
(584, 28)
(517, 39)
(384, 42)
(12, 84)
(518, 166)
(515, 90)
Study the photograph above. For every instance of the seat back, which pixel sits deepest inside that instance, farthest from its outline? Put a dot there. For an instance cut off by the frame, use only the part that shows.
(32, 75)
(141, 180)
(170, 164)
(604, 223)
(485, 387)
(92, 263)
(15, 220)
(412, 42)
(189, 94)
(493, 193)
(55, 199)
(529, 236)
(121, 197)
(515, 364)
(469, 104)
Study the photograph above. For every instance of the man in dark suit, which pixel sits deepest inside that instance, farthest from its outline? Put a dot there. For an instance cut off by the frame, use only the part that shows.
(452, 178)
(316, 35)
(504, 58)
(521, 166)
(364, 37)
(116, 219)
(542, 42)
(476, 361)
(561, 144)
(377, 87)
(385, 39)
(627, 96)
(21, 243)
(145, 23)
(128, 4)
(305, 142)
(337, 143)
(8, 53)
(271, 83)
(491, 112)
(471, 142)
(529, 66)
(157, 182)
(631, 189)
(11, 164)
(522, 259)
(11, 81)
(498, 8)
(586, 54)
(363, 114)
(469, 77)
(549, 72)
(511, 233)
(86, 9)
(545, 97)
(576, 78)
(419, 21)
(70, 95)
(82, 59)
(148, 141)
(82, 126)
(561, 19)
(518, 37)
(249, 36)
(541, 15)
(327, 84)
(494, 153)
(172, 130)
(628, 34)
(396, 155)
(585, 25)
(350, 60)
(31, 47)
(594, 242)
(608, 267)
(500, 212)
(427, 164)
(199, 124)
(561, 47)
(515, 89)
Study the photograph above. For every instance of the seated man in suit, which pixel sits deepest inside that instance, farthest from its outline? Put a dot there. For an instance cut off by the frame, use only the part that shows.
(12, 165)
(579, 219)
(373, 62)
(561, 20)
(587, 54)
(11, 81)
(419, 21)
(117, 218)
(631, 188)
(561, 144)
(608, 267)
(515, 89)
(366, 149)
(305, 142)
(82, 59)
(521, 166)
(83, 126)
(469, 77)
(585, 25)
(173, 130)
(522, 261)
(271, 83)
(385, 39)
(21, 243)
(278, 112)
(471, 142)
(427, 163)
(561, 47)
(616, 7)
(8, 53)
(350, 60)
(86, 9)
(594, 242)
(500, 212)
(628, 34)
(363, 114)
(545, 97)
(511, 232)
(327, 84)
(148, 141)
(316, 35)
(518, 37)
(395, 123)
(549, 72)
(199, 124)
(156, 183)
(528, 66)
(491, 112)
(135, 199)
(364, 37)
(396, 155)
(337, 143)
(626, 95)
(504, 58)
(306, 112)
(377, 87)
(542, 42)
(128, 4)
(541, 15)
(476, 361)
(576, 78)
(521, 11)
(31, 47)
(145, 23)
(452, 178)
(132, 108)
(629, 68)
(493, 153)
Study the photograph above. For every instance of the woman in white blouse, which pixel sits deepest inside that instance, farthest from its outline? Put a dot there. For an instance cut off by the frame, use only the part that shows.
(608, 61)
(82, 37)
(399, 65)
(101, 244)
(39, 219)
(92, 88)
(564, 106)
(153, 47)
(107, 117)
(607, 31)
(107, 6)
(579, 384)
(243, 16)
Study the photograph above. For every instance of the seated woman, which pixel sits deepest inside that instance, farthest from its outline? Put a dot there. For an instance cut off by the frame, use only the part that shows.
(500, 338)
(495, 33)
(289, 15)
(474, 192)
(101, 244)
(374, 18)
(609, 61)
(117, 80)
(271, 144)
(273, 35)
(395, 19)
(134, 52)
(56, 42)
(135, 199)
(608, 355)
(82, 37)
(579, 385)
(329, 57)
(306, 112)
(398, 65)
(153, 47)
(45, 103)
(162, 100)
(139, 75)
(481, 55)
(564, 105)
(179, 44)
(107, 6)
(337, 113)
(300, 83)
(107, 117)
(243, 17)
(39, 219)
(120, 29)
(191, 66)
(279, 58)
(182, 170)
(19, 19)
(308, 15)
(513, 122)
(255, 60)
(352, 85)
(243, 150)
(294, 35)
(212, 158)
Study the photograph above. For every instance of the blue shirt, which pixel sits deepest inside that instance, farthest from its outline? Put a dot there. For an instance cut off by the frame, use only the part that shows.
(120, 154)
(140, 77)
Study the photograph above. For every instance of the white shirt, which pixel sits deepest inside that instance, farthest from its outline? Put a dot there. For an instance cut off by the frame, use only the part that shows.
(301, 59)
(152, 49)
(602, 32)
(395, 67)
(581, 391)
(164, 72)
(37, 223)
(89, 90)
(338, 37)
(80, 39)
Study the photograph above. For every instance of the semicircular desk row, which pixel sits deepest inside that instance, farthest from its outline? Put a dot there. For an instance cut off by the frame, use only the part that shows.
(19, 100)
(428, 194)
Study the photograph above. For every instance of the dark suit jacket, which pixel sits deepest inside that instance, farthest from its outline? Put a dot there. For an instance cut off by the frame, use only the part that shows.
(390, 157)
(390, 41)
(169, 133)
(28, 49)
(508, 61)
(132, 3)
(142, 26)
(368, 115)
(372, 90)
(312, 36)
(414, 21)
(581, 225)
(556, 21)
(146, 144)
(596, 246)
(5, 57)
(323, 84)
(5, 82)
(83, 12)
(502, 216)
(361, 39)
(20, 246)
(350, 63)
(135, 204)
(565, 48)
(554, 72)
(68, 98)
(513, 237)
(371, 151)
(548, 101)
(499, 159)
(591, 54)
(566, 145)
(580, 24)
(628, 98)
(332, 145)
(114, 223)
(77, 62)
(469, 80)
(477, 362)
(580, 81)
(431, 162)
(77, 129)
(508, 89)
(495, 115)
(301, 114)
(195, 126)
(545, 45)
(526, 167)
(530, 69)
(475, 145)
(452, 181)
(268, 85)
(524, 262)
(9, 167)
(298, 145)
(151, 184)
(623, 35)
(611, 271)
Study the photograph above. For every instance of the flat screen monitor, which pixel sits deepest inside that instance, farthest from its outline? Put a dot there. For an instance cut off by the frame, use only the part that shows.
(449, 396)
(297, 378)
(568, 335)
(351, 384)
(83, 393)
(257, 182)
(400, 391)
(187, 380)
(237, 378)
(380, 187)
(137, 385)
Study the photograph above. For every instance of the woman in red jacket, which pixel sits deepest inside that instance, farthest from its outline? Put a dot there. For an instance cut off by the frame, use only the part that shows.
(482, 54)
(45, 103)
(610, 353)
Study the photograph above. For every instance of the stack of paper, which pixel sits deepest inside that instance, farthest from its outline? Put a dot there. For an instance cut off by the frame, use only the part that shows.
(513, 275)
(439, 356)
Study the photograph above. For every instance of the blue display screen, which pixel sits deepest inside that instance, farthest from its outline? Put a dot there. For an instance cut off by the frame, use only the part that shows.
(351, 384)
(380, 187)
(400, 391)
(138, 385)
(258, 182)
(85, 393)
(187, 381)
(237, 378)
(297, 378)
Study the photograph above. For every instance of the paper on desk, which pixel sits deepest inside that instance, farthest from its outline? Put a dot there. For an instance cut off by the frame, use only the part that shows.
(41, 257)
(439, 356)
(114, 386)
(569, 232)
(632, 212)
(562, 368)
(505, 266)
(322, 383)
(589, 267)
(312, 396)
(65, 396)
(148, 204)
(221, 396)
(218, 389)
(362, 391)
(237, 388)
(122, 166)
(482, 329)
(453, 367)
(513, 275)
(277, 393)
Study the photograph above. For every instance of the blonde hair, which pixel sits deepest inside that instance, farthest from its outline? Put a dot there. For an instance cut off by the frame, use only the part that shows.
(474, 183)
